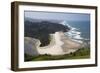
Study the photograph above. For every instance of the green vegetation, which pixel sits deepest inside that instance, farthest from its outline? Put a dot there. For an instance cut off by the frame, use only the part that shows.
(82, 53)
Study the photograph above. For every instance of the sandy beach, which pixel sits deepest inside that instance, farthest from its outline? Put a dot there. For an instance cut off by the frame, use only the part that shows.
(54, 49)
(59, 45)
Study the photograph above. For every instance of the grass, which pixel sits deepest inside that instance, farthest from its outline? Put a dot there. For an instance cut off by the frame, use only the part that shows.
(82, 53)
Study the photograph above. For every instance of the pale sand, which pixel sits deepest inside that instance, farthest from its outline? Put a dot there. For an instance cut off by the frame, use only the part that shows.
(61, 45)
(55, 49)
(69, 44)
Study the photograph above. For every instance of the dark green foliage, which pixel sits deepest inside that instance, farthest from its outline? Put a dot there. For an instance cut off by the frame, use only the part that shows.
(27, 57)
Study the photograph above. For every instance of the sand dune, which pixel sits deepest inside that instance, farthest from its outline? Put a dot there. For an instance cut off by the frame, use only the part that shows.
(59, 45)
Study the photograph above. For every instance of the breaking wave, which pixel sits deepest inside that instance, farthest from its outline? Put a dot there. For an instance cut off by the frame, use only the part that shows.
(73, 33)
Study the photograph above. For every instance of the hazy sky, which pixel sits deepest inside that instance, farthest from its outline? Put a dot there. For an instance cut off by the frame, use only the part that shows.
(58, 16)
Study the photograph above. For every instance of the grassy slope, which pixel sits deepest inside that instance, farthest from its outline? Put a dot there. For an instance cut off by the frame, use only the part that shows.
(82, 53)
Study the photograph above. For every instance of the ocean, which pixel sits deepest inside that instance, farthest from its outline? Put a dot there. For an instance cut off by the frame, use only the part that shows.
(79, 30)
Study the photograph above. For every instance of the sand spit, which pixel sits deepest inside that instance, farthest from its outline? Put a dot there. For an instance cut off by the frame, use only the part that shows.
(59, 45)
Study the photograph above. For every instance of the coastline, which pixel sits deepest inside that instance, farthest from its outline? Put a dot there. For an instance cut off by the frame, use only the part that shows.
(59, 45)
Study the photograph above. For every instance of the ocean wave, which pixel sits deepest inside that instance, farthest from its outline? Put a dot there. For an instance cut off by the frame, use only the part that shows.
(73, 33)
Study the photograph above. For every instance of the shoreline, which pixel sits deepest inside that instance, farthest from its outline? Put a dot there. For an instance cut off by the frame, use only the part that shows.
(59, 45)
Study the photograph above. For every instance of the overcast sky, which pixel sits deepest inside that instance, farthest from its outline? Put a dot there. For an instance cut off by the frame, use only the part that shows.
(57, 16)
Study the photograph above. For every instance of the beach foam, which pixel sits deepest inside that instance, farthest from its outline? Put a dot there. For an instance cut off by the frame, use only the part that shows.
(73, 33)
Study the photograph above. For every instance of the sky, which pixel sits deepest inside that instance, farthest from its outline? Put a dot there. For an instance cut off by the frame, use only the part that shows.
(57, 16)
